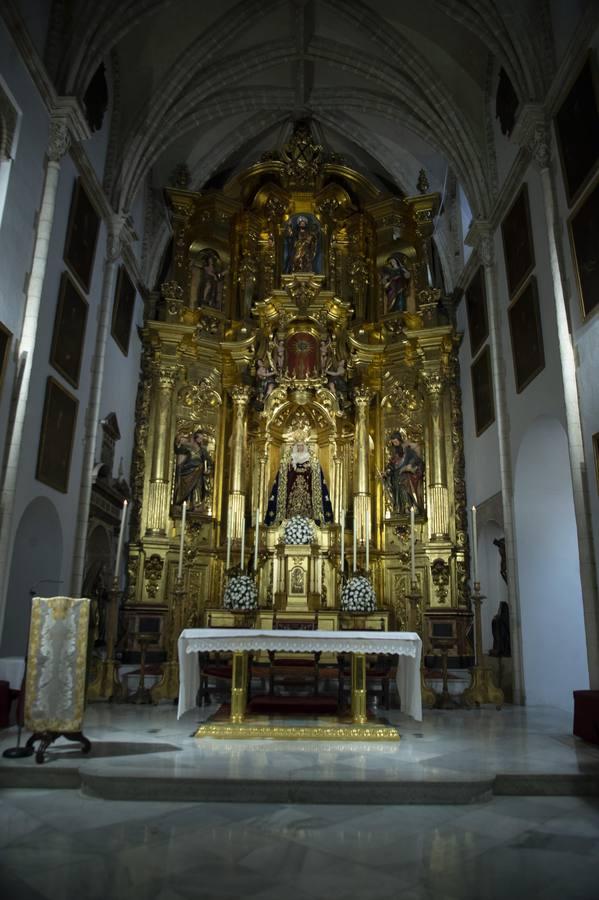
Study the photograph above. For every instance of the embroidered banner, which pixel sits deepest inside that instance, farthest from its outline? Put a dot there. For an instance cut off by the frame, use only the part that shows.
(56, 664)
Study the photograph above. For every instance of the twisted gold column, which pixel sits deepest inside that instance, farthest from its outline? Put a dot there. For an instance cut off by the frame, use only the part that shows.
(362, 399)
(236, 512)
(438, 493)
(165, 378)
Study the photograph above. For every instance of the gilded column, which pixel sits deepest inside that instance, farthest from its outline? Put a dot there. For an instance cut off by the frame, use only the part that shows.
(236, 512)
(362, 397)
(165, 378)
(437, 474)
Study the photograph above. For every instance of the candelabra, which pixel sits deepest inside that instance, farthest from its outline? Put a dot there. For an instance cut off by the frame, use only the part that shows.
(482, 687)
(107, 684)
(428, 696)
(167, 688)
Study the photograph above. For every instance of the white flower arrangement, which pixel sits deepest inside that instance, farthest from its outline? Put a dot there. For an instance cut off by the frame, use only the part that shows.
(358, 595)
(298, 530)
(241, 593)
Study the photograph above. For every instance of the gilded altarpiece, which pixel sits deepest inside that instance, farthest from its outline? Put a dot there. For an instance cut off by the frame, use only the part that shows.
(299, 362)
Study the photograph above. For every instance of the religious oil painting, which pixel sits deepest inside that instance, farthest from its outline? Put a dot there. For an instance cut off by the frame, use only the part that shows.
(476, 307)
(518, 247)
(5, 336)
(482, 391)
(69, 331)
(82, 236)
(584, 232)
(122, 311)
(577, 128)
(527, 335)
(56, 438)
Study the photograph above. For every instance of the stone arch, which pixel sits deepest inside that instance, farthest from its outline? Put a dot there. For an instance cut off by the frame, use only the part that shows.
(553, 633)
(35, 570)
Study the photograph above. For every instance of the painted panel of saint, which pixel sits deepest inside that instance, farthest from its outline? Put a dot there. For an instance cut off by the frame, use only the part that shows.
(299, 488)
(302, 248)
(395, 279)
(403, 478)
(211, 281)
(302, 354)
(194, 469)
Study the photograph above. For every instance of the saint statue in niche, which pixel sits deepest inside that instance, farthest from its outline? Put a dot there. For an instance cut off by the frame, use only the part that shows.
(302, 250)
(299, 488)
(194, 468)
(395, 278)
(211, 283)
(403, 476)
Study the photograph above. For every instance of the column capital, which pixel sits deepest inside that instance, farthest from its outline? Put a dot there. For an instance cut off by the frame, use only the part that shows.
(240, 395)
(67, 125)
(434, 384)
(362, 397)
(532, 132)
(480, 236)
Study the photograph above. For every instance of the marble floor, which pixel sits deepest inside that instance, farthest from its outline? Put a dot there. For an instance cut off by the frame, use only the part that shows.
(60, 844)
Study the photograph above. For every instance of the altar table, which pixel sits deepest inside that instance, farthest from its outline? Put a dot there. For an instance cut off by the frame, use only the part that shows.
(240, 642)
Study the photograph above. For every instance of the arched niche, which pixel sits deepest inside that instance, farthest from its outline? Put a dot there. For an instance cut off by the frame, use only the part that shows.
(35, 569)
(553, 636)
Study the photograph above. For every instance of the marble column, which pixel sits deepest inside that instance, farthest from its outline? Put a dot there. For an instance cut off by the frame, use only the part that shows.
(481, 237)
(67, 124)
(533, 133)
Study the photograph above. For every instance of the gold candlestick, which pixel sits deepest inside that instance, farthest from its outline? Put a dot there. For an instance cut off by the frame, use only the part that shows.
(107, 685)
(428, 696)
(167, 687)
(482, 686)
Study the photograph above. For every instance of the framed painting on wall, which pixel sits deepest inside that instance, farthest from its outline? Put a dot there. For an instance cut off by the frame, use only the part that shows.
(56, 439)
(5, 337)
(69, 331)
(82, 236)
(527, 336)
(518, 248)
(122, 310)
(482, 391)
(476, 307)
(584, 237)
(577, 129)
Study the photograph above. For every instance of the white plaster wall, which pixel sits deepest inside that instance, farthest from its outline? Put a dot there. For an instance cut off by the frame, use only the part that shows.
(22, 200)
(553, 634)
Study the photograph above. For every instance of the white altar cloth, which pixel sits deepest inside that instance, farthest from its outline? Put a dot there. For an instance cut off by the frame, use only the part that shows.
(406, 644)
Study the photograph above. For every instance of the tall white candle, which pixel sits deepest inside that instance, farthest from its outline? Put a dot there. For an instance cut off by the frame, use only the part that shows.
(367, 535)
(474, 546)
(183, 517)
(228, 562)
(412, 545)
(355, 542)
(242, 543)
(119, 548)
(342, 541)
(256, 541)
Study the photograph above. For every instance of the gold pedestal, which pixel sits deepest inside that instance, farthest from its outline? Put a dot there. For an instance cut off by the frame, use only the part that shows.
(482, 686)
(358, 688)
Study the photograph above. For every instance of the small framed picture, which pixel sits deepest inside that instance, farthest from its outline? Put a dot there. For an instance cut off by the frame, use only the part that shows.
(596, 454)
(482, 391)
(527, 336)
(56, 439)
(518, 248)
(476, 307)
(82, 236)
(122, 310)
(69, 331)
(577, 130)
(584, 231)
(5, 338)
